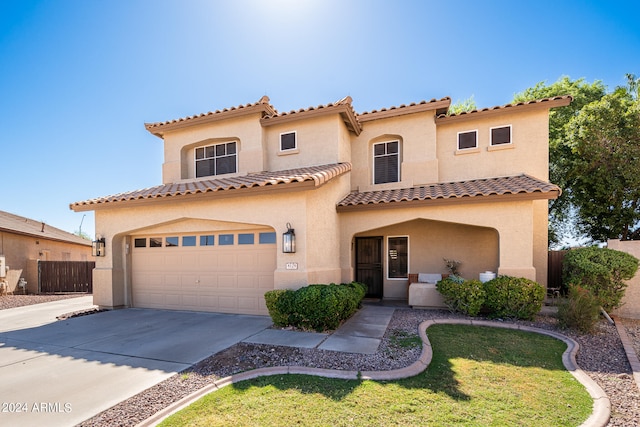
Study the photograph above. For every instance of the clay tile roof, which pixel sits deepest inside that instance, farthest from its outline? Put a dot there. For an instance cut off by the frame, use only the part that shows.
(262, 104)
(453, 191)
(440, 105)
(342, 106)
(556, 101)
(314, 175)
(20, 225)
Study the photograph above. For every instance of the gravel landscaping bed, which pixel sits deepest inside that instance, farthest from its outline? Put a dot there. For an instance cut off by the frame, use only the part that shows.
(13, 301)
(601, 356)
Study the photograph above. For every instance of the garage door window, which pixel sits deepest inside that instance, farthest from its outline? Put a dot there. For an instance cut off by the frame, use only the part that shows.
(225, 239)
(246, 239)
(206, 240)
(171, 241)
(140, 243)
(188, 240)
(155, 242)
(267, 238)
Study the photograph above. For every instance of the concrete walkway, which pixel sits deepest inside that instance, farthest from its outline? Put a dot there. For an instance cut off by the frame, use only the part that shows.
(362, 333)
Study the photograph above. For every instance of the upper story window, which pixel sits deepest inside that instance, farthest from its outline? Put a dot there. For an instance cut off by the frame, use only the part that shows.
(468, 139)
(386, 162)
(216, 159)
(501, 135)
(288, 141)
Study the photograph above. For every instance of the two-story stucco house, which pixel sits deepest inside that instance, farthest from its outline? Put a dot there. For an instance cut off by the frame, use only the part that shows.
(370, 196)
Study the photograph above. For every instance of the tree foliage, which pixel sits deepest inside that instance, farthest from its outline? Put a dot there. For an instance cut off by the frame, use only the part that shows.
(463, 106)
(604, 139)
(594, 157)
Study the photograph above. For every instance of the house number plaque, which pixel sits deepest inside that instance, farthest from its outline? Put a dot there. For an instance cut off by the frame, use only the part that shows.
(292, 266)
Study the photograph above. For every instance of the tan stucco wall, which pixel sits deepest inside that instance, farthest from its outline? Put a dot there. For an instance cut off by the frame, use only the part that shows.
(320, 141)
(179, 146)
(528, 153)
(19, 249)
(316, 233)
(417, 135)
(432, 241)
(513, 224)
(631, 300)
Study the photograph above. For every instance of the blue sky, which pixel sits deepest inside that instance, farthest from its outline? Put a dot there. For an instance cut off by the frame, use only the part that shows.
(79, 78)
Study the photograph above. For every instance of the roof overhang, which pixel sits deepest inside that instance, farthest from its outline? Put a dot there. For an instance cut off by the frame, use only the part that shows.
(539, 104)
(343, 109)
(489, 190)
(440, 106)
(251, 184)
(261, 107)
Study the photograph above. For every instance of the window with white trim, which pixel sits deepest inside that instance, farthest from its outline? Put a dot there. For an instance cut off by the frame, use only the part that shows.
(288, 141)
(386, 162)
(501, 135)
(398, 257)
(467, 140)
(217, 159)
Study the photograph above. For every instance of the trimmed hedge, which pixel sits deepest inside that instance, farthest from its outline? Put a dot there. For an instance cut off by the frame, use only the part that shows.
(316, 307)
(602, 271)
(504, 296)
(513, 297)
(465, 296)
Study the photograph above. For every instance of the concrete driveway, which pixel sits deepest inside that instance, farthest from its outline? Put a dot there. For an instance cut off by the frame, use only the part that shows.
(59, 373)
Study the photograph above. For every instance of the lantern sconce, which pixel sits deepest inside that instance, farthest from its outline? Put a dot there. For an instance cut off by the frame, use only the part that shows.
(289, 240)
(97, 247)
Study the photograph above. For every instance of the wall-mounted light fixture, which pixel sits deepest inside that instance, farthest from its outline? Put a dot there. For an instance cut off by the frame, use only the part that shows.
(97, 247)
(289, 240)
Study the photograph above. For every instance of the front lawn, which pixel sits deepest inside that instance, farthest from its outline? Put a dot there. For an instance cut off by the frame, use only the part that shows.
(479, 376)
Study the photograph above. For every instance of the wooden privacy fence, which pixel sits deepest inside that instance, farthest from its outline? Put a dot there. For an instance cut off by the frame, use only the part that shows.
(65, 276)
(554, 269)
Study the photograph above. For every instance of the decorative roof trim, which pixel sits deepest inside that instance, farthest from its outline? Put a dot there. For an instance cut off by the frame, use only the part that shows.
(522, 187)
(262, 106)
(288, 180)
(342, 107)
(545, 103)
(422, 106)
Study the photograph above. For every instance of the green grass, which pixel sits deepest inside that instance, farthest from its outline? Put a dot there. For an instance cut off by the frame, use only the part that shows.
(479, 376)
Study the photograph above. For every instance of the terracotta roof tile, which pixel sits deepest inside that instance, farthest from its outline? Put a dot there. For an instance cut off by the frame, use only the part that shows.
(318, 175)
(556, 101)
(263, 102)
(398, 110)
(20, 225)
(511, 185)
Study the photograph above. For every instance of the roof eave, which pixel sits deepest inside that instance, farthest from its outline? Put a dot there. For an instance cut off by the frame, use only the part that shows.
(542, 104)
(538, 195)
(159, 129)
(345, 111)
(441, 104)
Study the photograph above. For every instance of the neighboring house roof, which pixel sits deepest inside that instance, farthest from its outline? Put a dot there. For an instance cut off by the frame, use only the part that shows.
(545, 103)
(313, 176)
(477, 190)
(16, 224)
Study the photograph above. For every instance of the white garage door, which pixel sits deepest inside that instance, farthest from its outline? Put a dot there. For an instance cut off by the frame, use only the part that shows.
(226, 272)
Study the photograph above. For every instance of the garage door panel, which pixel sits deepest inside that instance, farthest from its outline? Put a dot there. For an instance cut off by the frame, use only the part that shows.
(227, 278)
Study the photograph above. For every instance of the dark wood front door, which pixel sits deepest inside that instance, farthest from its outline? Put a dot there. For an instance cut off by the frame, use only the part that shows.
(369, 264)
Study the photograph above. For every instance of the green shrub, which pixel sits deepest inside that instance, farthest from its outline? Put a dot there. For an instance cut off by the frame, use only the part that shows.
(513, 297)
(465, 296)
(317, 307)
(603, 271)
(280, 305)
(580, 311)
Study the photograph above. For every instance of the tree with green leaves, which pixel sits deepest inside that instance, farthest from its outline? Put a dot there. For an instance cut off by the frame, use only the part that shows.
(463, 106)
(604, 166)
(583, 93)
